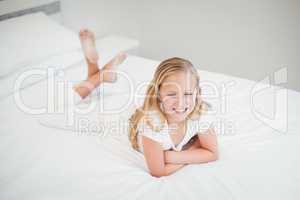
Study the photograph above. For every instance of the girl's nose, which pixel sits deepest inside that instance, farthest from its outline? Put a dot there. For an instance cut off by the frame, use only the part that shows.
(181, 103)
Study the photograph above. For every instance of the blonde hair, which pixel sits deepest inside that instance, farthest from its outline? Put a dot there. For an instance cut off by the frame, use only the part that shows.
(152, 102)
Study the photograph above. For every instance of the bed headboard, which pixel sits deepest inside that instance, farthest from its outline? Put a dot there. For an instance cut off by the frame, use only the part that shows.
(15, 8)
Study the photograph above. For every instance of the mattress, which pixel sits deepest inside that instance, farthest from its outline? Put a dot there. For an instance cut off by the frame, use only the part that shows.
(257, 159)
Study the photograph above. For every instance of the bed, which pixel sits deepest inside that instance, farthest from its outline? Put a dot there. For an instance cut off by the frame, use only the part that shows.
(258, 160)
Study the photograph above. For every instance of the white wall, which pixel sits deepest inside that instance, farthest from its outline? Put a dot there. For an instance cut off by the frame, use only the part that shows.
(102, 16)
(250, 39)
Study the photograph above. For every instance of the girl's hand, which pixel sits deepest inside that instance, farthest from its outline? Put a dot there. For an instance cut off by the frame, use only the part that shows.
(202, 150)
(192, 144)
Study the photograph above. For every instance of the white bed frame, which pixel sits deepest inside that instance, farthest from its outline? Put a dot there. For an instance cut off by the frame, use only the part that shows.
(15, 8)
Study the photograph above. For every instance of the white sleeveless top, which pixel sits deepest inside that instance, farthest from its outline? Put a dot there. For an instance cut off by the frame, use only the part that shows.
(163, 136)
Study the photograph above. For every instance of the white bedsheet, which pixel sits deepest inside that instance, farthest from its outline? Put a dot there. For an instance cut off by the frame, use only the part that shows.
(37, 162)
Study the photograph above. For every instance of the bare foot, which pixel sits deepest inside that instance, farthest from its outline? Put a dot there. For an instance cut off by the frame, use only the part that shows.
(87, 39)
(108, 71)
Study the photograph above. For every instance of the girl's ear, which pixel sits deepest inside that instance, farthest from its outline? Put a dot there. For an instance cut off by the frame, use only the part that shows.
(196, 95)
(198, 99)
(161, 106)
(160, 102)
(159, 97)
(199, 95)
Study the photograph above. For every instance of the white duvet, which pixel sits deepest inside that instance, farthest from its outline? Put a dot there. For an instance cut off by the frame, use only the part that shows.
(41, 158)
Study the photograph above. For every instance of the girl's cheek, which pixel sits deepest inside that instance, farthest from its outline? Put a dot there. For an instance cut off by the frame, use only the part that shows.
(190, 101)
(191, 105)
(167, 108)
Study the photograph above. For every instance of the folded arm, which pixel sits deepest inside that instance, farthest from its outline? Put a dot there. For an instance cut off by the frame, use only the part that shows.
(155, 159)
(205, 150)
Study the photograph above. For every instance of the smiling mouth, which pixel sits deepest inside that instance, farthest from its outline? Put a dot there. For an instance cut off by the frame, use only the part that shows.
(180, 111)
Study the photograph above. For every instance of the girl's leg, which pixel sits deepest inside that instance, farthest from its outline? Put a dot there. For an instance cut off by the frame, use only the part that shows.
(96, 76)
(87, 40)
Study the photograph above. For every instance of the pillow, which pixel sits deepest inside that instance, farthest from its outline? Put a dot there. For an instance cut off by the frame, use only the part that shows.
(30, 39)
(28, 76)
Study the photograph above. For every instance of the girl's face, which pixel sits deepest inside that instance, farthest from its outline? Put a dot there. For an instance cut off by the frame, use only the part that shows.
(177, 95)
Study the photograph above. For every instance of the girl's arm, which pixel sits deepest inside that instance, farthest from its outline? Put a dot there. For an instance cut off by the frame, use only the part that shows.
(207, 152)
(155, 159)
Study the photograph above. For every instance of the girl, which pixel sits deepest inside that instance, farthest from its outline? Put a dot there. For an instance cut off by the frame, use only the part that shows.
(172, 115)
(168, 128)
